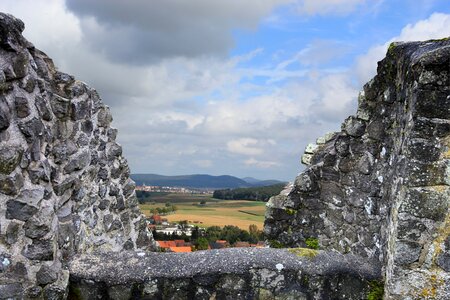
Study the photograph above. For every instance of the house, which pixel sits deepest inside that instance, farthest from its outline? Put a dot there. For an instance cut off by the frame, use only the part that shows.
(155, 219)
(180, 249)
(219, 244)
(241, 244)
(166, 244)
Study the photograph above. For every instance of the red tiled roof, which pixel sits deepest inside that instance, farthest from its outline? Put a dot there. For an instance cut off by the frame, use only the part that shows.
(166, 244)
(241, 244)
(180, 249)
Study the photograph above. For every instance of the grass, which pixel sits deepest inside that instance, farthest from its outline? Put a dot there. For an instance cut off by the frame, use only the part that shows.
(216, 212)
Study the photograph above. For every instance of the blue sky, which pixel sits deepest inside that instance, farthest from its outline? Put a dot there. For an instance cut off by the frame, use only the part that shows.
(225, 86)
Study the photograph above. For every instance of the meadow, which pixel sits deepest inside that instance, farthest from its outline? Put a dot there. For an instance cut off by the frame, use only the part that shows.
(214, 212)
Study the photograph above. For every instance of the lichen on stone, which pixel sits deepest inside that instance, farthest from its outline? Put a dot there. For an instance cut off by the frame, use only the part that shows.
(304, 252)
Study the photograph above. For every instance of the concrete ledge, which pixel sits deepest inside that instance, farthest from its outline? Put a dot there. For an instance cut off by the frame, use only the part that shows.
(235, 273)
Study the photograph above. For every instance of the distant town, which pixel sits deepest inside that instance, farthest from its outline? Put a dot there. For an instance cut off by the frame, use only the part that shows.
(171, 189)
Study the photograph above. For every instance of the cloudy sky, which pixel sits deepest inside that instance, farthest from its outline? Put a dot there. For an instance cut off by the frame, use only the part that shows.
(225, 86)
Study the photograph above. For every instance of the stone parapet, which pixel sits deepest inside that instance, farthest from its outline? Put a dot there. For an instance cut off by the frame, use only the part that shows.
(234, 273)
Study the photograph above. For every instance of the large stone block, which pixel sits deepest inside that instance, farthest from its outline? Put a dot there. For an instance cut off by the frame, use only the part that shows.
(427, 202)
(10, 158)
(433, 104)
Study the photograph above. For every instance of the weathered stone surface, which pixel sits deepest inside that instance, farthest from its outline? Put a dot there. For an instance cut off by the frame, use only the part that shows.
(10, 185)
(12, 232)
(39, 250)
(57, 153)
(407, 252)
(81, 110)
(32, 129)
(9, 159)
(62, 151)
(238, 273)
(46, 275)
(36, 229)
(78, 162)
(60, 106)
(43, 108)
(22, 108)
(11, 291)
(5, 113)
(354, 127)
(19, 211)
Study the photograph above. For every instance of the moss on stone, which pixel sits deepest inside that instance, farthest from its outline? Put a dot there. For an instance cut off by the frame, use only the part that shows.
(376, 290)
(312, 243)
(391, 48)
(440, 40)
(290, 211)
(304, 252)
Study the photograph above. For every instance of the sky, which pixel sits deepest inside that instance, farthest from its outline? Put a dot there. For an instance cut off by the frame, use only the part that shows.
(225, 86)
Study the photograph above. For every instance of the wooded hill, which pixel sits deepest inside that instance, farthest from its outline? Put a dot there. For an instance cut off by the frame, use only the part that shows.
(254, 193)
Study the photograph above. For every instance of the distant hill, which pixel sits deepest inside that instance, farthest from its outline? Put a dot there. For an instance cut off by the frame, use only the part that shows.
(256, 182)
(250, 179)
(200, 181)
(262, 193)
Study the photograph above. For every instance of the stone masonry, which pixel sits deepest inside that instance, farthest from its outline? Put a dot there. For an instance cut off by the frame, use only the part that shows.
(64, 185)
(379, 188)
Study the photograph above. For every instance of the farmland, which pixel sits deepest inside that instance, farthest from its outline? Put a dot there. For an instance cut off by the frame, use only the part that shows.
(213, 212)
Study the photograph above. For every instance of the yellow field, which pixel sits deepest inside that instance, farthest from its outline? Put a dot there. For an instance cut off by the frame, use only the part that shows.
(216, 213)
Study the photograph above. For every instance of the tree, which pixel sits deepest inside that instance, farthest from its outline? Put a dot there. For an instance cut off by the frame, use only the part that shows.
(202, 243)
(233, 233)
(195, 233)
(213, 233)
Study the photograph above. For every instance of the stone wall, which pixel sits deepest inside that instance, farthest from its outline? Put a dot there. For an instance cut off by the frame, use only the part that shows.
(236, 273)
(64, 185)
(379, 188)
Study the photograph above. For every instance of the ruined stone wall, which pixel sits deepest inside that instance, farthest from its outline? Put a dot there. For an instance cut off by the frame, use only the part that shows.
(234, 274)
(379, 188)
(64, 185)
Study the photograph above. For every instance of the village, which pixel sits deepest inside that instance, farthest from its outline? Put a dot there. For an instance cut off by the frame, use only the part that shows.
(185, 237)
(172, 189)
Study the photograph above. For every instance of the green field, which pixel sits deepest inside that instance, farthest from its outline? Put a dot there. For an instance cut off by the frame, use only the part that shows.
(215, 212)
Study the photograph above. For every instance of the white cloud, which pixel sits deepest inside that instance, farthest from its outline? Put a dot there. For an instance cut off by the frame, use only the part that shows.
(435, 27)
(252, 162)
(246, 146)
(204, 163)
